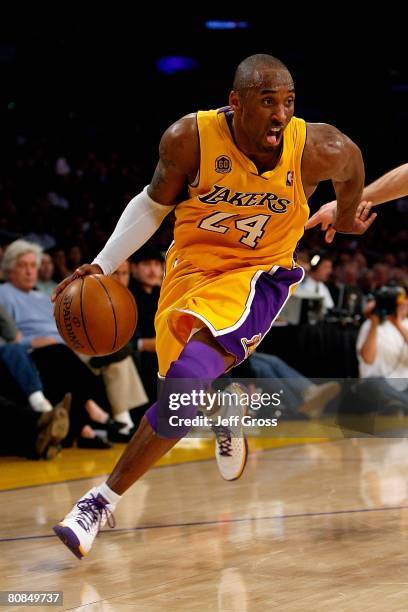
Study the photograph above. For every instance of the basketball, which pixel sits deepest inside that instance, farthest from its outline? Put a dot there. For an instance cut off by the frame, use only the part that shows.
(95, 315)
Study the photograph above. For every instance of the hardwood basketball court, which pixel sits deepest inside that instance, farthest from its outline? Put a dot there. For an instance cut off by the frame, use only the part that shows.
(308, 527)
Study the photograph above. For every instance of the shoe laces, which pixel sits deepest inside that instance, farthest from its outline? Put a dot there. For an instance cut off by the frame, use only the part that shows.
(223, 436)
(93, 510)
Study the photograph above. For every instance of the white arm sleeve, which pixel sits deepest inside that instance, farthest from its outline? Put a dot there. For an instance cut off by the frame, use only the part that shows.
(140, 219)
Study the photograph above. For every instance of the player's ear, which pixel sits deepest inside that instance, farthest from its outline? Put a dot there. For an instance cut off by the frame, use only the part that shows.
(234, 100)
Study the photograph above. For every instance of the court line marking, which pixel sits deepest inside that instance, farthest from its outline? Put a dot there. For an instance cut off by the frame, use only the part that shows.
(248, 519)
(253, 453)
(323, 459)
(61, 482)
(259, 453)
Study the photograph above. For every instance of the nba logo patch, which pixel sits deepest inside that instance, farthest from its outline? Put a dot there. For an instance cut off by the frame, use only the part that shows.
(250, 345)
(289, 178)
(223, 164)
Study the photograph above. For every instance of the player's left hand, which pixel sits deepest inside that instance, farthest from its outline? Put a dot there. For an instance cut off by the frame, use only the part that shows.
(326, 216)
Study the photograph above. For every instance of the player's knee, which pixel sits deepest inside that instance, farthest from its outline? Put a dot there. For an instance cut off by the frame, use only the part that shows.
(204, 336)
(197, 365)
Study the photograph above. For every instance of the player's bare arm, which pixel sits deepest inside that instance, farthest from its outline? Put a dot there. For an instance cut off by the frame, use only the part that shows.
(389, 187)
(330, 154)
(179, 160)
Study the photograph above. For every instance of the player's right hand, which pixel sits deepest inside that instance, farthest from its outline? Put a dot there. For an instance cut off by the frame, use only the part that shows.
(83, 270)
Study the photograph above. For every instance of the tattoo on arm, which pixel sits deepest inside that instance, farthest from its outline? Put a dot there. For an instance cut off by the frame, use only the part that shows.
(160, 176)
(178, 153)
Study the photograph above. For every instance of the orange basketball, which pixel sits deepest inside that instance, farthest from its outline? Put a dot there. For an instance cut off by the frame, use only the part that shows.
(95, 315)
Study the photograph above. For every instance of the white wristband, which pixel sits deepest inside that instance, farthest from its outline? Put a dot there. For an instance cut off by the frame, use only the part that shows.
(138, 222)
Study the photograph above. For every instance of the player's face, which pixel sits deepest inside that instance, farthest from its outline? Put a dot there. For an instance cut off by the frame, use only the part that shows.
(263, 113)
(149, 272)
(25, 273)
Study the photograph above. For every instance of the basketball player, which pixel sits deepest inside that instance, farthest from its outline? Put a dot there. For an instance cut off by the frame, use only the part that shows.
(390, 186)
(238, 178)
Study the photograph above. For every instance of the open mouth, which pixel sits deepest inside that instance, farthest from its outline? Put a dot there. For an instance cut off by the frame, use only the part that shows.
(273, 135)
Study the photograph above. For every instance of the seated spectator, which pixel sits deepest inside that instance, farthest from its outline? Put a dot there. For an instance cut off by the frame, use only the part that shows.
(367, 281)
(74, 258)
(24, 433)
(347, 296)
(299, 393)
(314, 283)
(60, 264)
(45, 282)
(382, 275)
(20, 365)
(61, 370)
(147, 275)
(122, 381)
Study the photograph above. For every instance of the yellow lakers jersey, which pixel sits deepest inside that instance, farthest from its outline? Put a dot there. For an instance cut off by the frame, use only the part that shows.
(234, 216)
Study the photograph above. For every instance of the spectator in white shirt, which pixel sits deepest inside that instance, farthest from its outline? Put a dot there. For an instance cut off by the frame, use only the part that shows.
(382, 349)
(321, 268)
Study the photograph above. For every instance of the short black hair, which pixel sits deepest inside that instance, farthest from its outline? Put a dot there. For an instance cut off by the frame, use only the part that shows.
(246, 72)
(147, 253)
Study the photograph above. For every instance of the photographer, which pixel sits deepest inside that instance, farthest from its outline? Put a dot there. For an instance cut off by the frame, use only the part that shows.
(382, 347)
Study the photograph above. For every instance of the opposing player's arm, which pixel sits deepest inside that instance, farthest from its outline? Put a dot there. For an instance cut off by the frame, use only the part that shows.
(388, 187)
(330, 154)
(179, 159)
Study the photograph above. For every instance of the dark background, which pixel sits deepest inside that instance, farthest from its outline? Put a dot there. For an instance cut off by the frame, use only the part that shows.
(76, 81)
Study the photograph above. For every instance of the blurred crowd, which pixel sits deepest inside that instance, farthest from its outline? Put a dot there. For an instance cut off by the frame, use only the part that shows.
(65, 208)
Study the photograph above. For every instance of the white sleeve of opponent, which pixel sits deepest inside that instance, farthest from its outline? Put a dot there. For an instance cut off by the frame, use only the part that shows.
(138, 222)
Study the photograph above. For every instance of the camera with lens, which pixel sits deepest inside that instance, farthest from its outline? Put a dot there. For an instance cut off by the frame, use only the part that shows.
(387, 299)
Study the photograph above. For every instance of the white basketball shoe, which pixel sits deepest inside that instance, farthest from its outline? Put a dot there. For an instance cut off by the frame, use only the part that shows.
(231, 447)
(80, 527)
